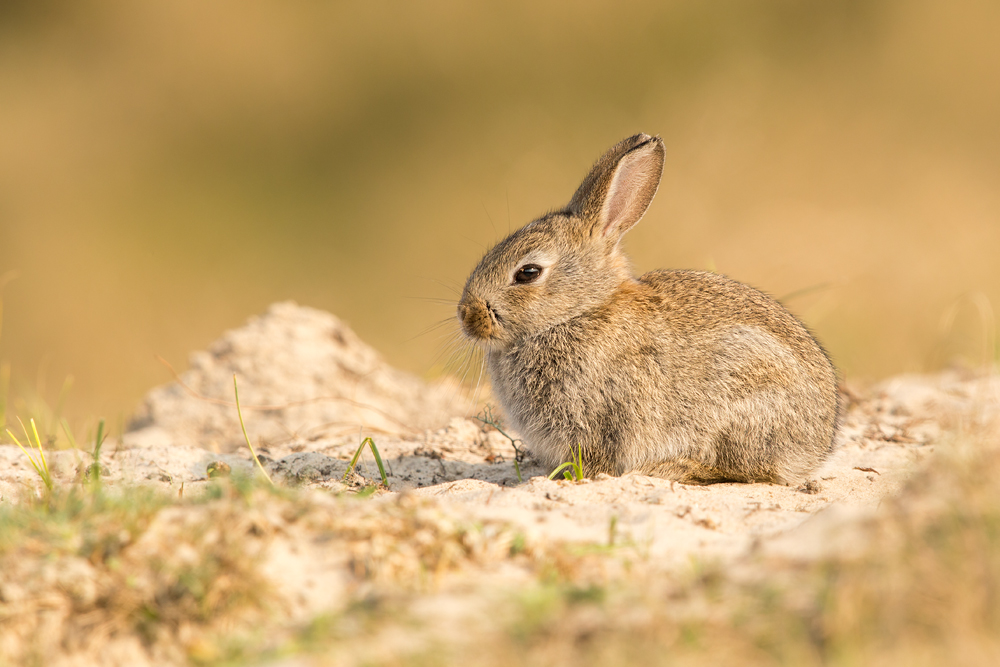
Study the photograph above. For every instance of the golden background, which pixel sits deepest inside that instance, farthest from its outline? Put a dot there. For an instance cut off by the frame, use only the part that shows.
(169, 168)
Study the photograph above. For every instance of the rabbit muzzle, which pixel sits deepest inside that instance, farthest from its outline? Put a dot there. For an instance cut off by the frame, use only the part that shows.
(479, 321)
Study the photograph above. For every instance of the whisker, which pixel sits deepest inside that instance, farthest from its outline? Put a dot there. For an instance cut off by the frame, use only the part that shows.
(479, 383)
(507, 195)
(452, 287)
(466, 364)
(461, 382)
(453, 350)
(481, 246)
(495, 233)
(429, 329)
(433, 299)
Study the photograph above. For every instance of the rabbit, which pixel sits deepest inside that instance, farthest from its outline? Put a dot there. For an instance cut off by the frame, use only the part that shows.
(680, 374)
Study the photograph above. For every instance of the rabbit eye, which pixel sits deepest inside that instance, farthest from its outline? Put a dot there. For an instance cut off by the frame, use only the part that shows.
(527, 273)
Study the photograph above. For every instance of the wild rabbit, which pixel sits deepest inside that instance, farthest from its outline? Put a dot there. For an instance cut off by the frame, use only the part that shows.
(686, 375)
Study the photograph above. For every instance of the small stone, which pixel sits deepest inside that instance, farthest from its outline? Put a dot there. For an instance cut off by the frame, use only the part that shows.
(811, 486)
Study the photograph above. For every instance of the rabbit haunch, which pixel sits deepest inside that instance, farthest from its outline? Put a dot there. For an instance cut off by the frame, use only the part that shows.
(686, 375)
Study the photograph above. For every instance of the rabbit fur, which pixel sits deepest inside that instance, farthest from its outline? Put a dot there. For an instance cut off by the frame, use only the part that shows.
(685, 375)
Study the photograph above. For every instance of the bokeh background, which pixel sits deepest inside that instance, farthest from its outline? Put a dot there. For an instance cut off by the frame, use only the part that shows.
(169, 168)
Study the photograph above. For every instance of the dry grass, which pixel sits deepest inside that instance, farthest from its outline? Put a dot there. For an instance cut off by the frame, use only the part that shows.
(81, 571)
(177, 580)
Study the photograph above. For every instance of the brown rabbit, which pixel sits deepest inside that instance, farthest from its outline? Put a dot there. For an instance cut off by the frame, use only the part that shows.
(686, 375)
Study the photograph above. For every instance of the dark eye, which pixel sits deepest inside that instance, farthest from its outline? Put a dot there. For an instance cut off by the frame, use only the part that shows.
(527, 273)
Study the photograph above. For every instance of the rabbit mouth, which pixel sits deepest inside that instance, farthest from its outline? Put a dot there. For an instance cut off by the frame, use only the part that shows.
(480, 321)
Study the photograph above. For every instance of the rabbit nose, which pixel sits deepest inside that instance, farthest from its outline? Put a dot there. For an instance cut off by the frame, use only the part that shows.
(475, 319)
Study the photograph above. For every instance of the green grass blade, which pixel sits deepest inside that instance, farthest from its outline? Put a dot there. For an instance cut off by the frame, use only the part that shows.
(239, 411)
(378, 460)
(354, 460)
(38, 443)
(26, 453)
(99, 440)
(41, 468)
(561, 467)
(573, 467)
(69, 434)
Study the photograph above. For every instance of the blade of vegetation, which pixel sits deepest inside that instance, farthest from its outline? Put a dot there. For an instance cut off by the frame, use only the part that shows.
(236, 391)
(94, 469)
(69, 434)
(572, 469)
(41, 452)
(99, 440)
(41, 466)
(378, 460)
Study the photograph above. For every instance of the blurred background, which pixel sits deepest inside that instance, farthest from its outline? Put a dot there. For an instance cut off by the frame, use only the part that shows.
(169, 168)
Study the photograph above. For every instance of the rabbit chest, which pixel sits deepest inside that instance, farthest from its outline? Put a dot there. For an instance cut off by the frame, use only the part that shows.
(574, 385)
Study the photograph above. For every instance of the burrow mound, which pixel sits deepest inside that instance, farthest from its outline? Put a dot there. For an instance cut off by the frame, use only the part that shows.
(303, 375)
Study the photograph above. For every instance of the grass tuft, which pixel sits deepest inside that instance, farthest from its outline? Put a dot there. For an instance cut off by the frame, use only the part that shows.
(378, 460)
(572, 470)
(171, 573)
(41, 466)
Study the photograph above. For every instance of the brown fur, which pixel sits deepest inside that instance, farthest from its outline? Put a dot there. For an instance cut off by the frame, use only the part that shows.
(686, 375)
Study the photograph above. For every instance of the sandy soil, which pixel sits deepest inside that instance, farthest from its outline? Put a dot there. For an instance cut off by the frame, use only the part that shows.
(451, 543)
(310, 388)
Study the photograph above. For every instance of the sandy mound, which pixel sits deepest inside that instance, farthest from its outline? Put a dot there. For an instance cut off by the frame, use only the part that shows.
(456, 505)
(303, 374)
(310, 388)
(333, 388)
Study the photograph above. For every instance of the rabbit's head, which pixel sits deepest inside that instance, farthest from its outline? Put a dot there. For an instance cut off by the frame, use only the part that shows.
(567, 262)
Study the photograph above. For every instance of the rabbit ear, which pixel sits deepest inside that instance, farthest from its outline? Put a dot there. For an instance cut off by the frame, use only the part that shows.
(618, 190)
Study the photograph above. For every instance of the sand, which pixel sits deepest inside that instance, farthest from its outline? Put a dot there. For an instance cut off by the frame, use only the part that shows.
(322, 389)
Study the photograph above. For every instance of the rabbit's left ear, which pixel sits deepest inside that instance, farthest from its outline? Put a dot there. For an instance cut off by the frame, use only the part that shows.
(619, 188)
